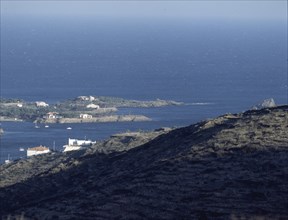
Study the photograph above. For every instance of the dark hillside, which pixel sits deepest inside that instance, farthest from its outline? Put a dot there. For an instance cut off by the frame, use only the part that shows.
(230, 167)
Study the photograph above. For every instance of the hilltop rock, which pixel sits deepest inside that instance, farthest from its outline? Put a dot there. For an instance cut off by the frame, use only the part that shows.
(230, 167)
(267, 103)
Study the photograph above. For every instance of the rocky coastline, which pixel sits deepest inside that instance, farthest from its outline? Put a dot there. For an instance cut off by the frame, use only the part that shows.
(99, 119)
(230, 167)
(83, 109)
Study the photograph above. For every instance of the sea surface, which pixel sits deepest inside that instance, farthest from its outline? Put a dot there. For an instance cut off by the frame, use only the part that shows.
(214, 67)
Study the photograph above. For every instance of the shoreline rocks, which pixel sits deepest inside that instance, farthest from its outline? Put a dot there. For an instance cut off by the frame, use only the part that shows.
(100, 119)
(121, 102)
(267, 103)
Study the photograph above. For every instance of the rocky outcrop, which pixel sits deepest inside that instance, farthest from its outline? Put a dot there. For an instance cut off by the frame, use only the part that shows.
(230, 167)
(267, 103)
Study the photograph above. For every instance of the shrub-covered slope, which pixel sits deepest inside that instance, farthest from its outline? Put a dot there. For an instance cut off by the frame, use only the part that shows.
(234, 166)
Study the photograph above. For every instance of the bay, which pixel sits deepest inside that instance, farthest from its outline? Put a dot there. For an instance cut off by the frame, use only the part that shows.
(227, 66)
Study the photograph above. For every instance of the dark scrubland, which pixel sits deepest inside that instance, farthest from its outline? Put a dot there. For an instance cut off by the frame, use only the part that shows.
(232, 167)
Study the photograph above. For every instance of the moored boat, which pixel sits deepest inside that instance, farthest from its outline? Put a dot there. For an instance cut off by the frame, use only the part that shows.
(8, 160)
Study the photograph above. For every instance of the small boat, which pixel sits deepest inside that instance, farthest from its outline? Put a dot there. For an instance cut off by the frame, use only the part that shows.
(21, 149)
(8, 160)
(36, 126)
(68, 128)
(46, 126)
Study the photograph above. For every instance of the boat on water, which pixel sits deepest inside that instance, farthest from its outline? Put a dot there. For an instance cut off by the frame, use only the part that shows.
(21, 149)
(75, 144)
(68, 128)
(8, 160)
(46, 126)
(36, 125)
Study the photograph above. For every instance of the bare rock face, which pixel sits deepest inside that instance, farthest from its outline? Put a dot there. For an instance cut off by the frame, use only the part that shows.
(267, 103)
(230, 167)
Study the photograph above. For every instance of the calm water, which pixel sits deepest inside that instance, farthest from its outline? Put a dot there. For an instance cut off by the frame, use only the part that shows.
(231, 66)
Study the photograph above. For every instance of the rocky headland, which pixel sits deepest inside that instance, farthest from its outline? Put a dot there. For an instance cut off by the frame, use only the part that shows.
(230, 167)
(83, 109)
(98, 119)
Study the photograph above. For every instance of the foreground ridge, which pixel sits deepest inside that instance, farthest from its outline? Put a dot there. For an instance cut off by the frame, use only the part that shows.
(230, 167)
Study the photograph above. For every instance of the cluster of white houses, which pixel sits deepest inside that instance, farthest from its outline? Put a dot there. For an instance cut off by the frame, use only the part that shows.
(87, 98)
(73, 144)
(52, 115)
(84, 98)
(56, 115)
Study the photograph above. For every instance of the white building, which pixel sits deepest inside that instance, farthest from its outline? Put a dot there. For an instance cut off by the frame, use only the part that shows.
(75, 144)
(37, 150)
(87, 98)
(41, 104)
(52, 115)
(93, 106)
(83, 98)
(85, 116)
(91, 98)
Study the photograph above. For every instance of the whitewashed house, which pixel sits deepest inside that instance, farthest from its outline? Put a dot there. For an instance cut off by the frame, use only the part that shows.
(91, 98)
(37, 150)
(86, 98)
(86, 116)
(93, 106)
(52, 115)
(41, 104)
(83, 98)
(75, 144)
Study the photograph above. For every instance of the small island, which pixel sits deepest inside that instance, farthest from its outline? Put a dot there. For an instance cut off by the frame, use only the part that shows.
(82, 109)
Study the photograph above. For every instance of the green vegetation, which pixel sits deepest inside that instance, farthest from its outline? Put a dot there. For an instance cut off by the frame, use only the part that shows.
(25, 113)
(101, 106)
(4, 100)
(120, 102)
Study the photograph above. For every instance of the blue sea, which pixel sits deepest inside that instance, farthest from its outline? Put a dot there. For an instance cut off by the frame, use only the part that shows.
(215, 67)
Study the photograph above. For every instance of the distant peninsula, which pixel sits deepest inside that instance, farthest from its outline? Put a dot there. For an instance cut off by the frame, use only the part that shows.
(82, 109)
